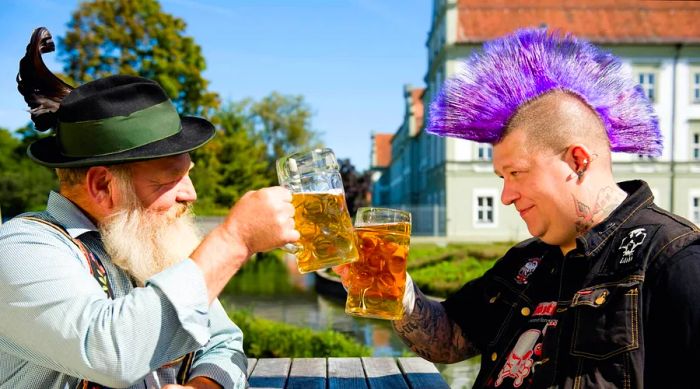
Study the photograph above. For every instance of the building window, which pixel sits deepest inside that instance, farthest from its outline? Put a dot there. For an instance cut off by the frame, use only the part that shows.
(695, 209)
(484, 152)
(648, 81)
(696, 87)
(695, 147)
(485, 209)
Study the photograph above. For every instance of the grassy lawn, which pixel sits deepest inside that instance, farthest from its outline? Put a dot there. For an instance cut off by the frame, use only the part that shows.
(441, 270)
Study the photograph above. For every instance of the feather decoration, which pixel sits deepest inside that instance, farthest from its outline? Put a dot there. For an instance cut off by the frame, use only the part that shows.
(42, 90)
(478, 102)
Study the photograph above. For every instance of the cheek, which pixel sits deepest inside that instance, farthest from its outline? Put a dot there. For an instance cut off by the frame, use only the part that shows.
(550, 199)
(162, 203)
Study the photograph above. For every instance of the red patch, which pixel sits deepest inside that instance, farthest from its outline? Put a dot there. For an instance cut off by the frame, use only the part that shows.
(545, 309)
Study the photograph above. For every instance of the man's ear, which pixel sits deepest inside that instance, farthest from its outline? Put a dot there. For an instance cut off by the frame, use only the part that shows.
(99, 182)
(579, 158)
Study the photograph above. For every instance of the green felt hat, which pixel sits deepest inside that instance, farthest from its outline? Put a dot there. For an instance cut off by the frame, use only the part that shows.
(118, 119)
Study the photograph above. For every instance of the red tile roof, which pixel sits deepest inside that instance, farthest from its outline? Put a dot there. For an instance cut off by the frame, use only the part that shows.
(381, 156)
(600, 21)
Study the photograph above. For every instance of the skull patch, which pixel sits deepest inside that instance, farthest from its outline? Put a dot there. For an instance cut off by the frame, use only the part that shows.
(630, 243)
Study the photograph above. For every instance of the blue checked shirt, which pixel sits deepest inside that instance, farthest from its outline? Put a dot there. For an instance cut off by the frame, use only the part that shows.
(57, 325)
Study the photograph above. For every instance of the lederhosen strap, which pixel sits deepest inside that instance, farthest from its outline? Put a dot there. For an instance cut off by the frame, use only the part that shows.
(98, 271)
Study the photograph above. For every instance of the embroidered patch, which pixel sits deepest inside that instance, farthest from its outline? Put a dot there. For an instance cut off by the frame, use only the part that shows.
(520, 359)
(630, 243)
(545, 309)
(526, 271)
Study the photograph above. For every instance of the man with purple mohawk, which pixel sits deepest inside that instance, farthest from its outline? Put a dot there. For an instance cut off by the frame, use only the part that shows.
(604, 294)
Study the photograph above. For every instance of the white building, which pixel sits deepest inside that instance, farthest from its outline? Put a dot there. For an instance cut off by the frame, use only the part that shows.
(449, 183)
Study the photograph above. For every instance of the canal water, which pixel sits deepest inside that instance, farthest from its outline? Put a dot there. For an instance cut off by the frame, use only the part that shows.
(280, 293)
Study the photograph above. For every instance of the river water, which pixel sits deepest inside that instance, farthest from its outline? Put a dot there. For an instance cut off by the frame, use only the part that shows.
(301, 305)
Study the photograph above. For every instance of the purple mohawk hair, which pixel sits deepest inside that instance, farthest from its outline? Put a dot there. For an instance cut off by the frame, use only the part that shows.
(478, 102)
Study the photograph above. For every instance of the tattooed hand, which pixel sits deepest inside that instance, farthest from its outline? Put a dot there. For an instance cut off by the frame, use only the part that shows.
(431, 334)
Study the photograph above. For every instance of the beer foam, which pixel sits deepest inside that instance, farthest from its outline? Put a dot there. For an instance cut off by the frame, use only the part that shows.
(335, 191)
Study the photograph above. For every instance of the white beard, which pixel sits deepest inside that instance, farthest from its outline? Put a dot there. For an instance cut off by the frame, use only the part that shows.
(144, 243)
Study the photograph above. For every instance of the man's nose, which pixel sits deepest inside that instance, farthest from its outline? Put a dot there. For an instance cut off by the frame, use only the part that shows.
(509, 194)
(186, 191)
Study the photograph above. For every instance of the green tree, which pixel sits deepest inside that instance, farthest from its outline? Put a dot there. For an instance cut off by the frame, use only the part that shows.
(136, 37)
(233, 163)
(356, 185)
(24, 185)
(284, 122)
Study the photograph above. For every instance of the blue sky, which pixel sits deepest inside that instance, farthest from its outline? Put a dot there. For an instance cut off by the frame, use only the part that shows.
(348, 58)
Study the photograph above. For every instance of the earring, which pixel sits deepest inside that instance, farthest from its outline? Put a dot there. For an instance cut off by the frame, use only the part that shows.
(580, 174)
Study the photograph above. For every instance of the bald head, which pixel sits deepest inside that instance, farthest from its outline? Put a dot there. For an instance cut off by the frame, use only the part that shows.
(558, 119)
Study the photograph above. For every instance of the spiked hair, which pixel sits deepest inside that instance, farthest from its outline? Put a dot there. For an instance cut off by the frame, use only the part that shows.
(478, 102)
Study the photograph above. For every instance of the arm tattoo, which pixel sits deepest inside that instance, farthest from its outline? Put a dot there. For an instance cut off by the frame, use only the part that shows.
(606, 201)
(431, 334)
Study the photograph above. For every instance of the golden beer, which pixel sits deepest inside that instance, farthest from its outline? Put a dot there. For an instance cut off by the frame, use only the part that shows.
(325, 226)
(376, 282)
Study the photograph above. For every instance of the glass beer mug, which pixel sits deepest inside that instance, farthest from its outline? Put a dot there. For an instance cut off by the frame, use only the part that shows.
(321, 215)
(377, 281)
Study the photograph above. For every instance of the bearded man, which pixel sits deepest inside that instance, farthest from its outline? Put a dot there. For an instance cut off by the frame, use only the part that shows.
(111, 286)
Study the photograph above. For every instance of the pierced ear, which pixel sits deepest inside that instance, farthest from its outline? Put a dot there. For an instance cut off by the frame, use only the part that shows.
(99, 183)
(579, 158)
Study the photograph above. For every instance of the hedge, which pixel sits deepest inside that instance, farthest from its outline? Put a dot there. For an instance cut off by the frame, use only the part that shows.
(269, 339)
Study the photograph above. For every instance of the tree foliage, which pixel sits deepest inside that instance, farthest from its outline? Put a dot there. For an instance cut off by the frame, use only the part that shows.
(284, 122)
(357, 186)
(233, 163)
(24, 185)
(136, 37)
(251, 135)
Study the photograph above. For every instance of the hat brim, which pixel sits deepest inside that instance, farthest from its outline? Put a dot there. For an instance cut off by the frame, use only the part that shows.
(195, 133)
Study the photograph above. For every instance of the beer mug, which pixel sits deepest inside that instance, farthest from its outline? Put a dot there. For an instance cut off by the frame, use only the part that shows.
(321, 215)
(376, 282)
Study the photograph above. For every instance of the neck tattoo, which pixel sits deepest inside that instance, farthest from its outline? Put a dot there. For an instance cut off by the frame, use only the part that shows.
(606, 201)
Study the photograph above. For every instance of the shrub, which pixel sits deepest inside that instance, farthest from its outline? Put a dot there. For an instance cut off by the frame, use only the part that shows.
(268, 339)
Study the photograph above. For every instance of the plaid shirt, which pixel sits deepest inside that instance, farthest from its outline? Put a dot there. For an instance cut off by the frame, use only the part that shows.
(57, 325)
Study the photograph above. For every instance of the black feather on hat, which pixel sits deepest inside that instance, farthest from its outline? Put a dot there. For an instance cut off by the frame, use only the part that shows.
(112, 120)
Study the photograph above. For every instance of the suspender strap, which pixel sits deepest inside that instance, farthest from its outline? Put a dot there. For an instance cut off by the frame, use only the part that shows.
(98, 271)
(184, 373)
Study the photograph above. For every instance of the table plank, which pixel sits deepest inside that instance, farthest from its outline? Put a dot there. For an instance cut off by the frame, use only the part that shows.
(422, 374)
(383, 373)
(346, 373)
(251, 365)
(270, 373)
(307, 373)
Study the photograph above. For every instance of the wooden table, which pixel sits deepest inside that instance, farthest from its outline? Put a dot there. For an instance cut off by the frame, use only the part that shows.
(332, 373)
